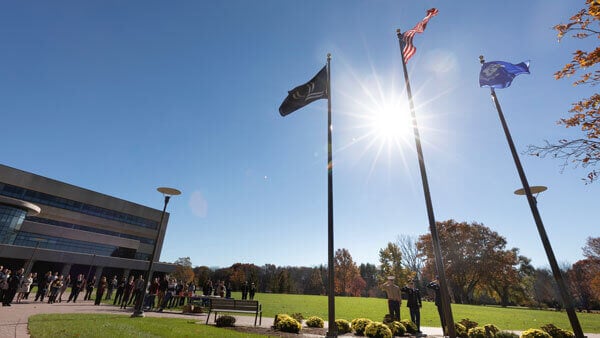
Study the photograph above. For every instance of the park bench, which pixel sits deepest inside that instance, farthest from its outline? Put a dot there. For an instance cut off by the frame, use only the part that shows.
(231, 305)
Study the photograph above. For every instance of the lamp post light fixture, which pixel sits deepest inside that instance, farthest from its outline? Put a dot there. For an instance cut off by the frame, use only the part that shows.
(562, 288)
(139, 304)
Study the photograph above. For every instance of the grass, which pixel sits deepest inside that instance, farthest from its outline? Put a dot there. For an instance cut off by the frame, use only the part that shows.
(348, 308)
(92, 325)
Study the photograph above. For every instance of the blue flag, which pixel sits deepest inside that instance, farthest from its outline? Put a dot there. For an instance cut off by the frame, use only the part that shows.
(499, 74)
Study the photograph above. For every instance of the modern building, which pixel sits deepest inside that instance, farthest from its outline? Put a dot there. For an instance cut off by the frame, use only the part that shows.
(47, 225)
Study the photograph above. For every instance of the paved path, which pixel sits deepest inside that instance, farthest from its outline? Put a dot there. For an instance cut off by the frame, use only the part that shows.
(13, 319)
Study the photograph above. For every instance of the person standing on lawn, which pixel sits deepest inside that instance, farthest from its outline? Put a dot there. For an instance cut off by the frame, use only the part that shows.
(100, 291)
(76, 288)
(435, 286)
(413, 302)
(393, 296)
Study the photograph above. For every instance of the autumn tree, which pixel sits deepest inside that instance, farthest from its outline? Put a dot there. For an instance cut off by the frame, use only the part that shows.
(345, 272)
(390, 259)
(472, 254)
(584, 276)
(202, 274)
(183, 270)
(585, 114)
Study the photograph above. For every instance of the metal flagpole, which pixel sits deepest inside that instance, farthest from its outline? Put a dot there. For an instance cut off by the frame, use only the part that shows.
(538, 221)
(446, 309)
(332, 330)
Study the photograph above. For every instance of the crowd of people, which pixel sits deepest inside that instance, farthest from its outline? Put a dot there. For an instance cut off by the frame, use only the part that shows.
(163, 293)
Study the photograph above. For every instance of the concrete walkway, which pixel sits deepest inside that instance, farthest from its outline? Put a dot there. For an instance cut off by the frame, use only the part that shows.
(13, 319)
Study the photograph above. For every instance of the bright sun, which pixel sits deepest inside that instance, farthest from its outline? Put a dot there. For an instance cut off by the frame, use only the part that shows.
(391, 125)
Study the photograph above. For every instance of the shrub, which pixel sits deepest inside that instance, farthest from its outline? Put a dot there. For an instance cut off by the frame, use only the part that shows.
(397, 328)
(411, 327)
(288, 324)
(343, 326)
(378, 330)
(556, 332)
(469, 324)
(315, 321)
(491, 330)
(461, 330)
(297, 316)
(506, 334)
(280, 317)
(476, 332)
(359, 325)
(535, 333)
(225, 321)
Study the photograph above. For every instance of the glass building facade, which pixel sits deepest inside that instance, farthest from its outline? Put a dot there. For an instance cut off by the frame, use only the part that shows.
(75, 226)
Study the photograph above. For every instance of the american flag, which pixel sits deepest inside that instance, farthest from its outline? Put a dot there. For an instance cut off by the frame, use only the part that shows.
(409, 49)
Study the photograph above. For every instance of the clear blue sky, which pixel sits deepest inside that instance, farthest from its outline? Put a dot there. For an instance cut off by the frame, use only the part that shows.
(121, 97)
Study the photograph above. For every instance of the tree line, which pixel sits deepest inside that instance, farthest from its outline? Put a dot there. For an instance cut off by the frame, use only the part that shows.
(479, 268)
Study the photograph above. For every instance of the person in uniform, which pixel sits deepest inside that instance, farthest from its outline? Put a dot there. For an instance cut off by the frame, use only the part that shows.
(393, 296)
(435, 286)
(413, 302)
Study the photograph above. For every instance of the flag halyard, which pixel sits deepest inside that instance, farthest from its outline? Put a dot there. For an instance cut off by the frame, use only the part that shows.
(302, 95)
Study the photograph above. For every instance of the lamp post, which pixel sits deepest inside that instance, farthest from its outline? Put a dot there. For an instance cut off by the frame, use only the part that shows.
(29, 265)
(562, 288)
(139, 304)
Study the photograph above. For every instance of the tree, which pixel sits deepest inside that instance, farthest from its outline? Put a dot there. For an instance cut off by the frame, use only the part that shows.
(592, 248)
(581, 277)
(183, 261)
(585, 151)
(472, 254)
(411, 259)
(183, 270)
(505, 280)
(202, 274)
(390, 258)
(369, 273)
(315, 283)
(345, 271)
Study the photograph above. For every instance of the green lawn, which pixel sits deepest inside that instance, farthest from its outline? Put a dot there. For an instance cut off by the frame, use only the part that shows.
(92, 325)
(375, 308)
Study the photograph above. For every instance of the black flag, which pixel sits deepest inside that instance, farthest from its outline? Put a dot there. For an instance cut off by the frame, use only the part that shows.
(302, 95)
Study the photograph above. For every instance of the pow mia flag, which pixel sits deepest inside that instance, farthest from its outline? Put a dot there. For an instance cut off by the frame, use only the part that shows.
(302, 95)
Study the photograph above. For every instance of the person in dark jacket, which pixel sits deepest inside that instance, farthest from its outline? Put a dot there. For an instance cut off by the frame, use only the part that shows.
(76, 288)
(89, 288)
(413, 302)
(120, 290)
(43, 285)
(435, 286)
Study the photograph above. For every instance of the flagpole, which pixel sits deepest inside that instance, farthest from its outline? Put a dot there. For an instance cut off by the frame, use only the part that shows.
(445, 299)
(332, 330)
(538, 221)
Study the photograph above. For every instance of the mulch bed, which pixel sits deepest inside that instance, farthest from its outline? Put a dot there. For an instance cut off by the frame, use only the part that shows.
(273, 333)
